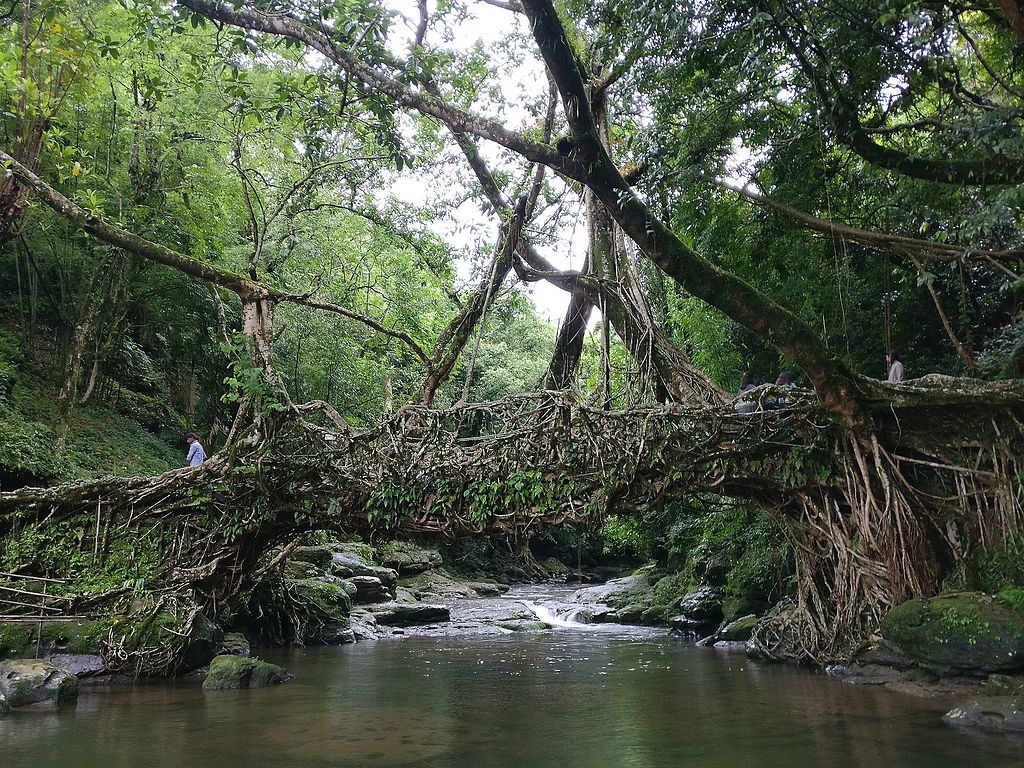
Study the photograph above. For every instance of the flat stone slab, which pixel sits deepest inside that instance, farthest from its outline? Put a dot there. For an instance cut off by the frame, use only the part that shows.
(990, 713)
(409, 614)
(79, 664)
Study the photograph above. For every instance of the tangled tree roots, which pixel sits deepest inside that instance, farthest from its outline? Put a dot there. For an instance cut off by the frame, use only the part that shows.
(937, 480)
(873, 518)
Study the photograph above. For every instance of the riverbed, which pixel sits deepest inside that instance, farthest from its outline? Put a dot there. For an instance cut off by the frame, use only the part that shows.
(572, 696)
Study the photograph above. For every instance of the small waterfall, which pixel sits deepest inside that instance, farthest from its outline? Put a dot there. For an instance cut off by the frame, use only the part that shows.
(555, 614)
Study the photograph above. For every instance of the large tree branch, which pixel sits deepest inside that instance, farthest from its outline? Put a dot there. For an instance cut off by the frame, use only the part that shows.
(453, 339)
(591, 165)
(246, 289)
(842, 114)
(457, 119)
(359, 317)
(1014, 11)
(927, 250)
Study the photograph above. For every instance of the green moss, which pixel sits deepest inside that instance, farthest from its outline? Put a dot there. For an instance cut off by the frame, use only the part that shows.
(14, 640)
(76, 637)
(669, 589)
(327, 598)
(364, 551)
(1014, 596)
(233, 672)
(969, 631)
(147, 632)
(657, 614)
(19, 640)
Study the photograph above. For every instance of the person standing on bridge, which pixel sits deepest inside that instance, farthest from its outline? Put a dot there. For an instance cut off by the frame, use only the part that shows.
(892, 360)
(196, 453)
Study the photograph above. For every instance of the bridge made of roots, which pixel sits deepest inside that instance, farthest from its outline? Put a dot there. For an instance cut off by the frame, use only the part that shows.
(872, 519)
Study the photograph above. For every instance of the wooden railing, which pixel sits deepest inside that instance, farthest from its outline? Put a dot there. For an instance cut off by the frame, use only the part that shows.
(28, 600)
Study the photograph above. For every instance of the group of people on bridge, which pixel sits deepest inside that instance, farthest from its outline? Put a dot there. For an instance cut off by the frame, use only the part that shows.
(787, 380)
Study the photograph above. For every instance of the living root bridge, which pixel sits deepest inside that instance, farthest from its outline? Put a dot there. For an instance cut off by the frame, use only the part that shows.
(872, 519)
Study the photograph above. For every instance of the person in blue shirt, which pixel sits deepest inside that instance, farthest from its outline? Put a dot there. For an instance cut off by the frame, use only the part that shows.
(196, 454)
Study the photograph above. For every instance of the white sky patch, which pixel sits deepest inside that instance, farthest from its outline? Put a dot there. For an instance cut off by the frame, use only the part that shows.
(468, 229)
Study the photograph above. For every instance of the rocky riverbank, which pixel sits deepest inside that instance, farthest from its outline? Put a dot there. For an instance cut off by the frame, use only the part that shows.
(966, 648)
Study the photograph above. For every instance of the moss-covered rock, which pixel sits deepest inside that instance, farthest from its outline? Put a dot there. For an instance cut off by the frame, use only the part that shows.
(554, 567)
(232, 672)
(405, 615)
(135, 640)
(327, 597)
(235, 644)
(30, 681)
(325, 604)
(369, 589)
(320, 557)
(739, 630)
(968, 633)
(408, 558)
(76, 637)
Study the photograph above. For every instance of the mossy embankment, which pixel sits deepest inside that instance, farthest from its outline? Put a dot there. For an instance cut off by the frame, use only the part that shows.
(102, 438)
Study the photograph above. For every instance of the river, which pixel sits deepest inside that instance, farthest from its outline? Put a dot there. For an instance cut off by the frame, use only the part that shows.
(611, 696)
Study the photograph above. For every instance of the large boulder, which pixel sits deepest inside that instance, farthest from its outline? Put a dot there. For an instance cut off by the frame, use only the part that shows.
(616, 592)
(437, 585)
(408, 558)
(202, 644)
(407, 615)
(233, 672)
(364, 625)
(703, 604)
(699, 612)
(737, 631)
(968, 633)
(30, 681)
(328, 604)
(79, 664)
(328, 597)
(646, 597)
(369, 589)
(555, 568)
(350, 560)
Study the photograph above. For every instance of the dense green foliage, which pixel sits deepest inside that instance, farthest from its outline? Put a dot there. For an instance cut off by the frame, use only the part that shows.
(249, 153)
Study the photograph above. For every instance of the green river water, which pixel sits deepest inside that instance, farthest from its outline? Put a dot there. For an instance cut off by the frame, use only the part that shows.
(560, 698)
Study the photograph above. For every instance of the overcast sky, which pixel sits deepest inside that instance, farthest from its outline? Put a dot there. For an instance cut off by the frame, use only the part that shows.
(469, 228)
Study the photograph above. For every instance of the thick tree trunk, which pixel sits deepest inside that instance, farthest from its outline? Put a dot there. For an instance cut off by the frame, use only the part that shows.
(85, 329)
(453, 339)
(12, 205)
(1014, 10)
(565, 361)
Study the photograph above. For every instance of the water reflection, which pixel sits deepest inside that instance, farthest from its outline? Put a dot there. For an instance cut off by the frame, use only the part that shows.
(550, 699)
